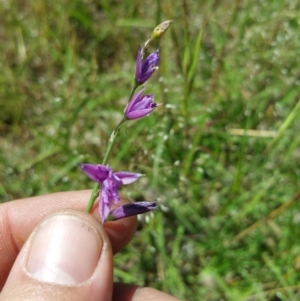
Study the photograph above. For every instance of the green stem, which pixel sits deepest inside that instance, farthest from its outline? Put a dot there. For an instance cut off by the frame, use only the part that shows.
(143, 50)
(93, 197)
(133, 90)
(111, 141)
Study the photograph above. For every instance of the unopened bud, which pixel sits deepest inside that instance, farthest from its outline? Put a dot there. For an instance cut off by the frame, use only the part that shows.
(160, 29)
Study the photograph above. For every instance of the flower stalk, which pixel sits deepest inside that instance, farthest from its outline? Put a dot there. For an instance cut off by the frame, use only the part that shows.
(111, 141)
(138, 106)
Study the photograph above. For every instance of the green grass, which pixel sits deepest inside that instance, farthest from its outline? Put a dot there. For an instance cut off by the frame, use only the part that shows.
(228, 228)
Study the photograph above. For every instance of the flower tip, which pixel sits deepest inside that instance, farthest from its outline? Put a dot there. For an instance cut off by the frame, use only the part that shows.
(152, 206)
(160, 29)
(132, 209)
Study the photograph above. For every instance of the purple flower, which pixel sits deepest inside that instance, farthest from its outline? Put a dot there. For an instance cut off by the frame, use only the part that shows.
(132, 209)
(140, 105)
(144, 69)
(110, 182)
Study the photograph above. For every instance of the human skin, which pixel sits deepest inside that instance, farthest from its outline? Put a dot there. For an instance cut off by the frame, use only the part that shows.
(26, 230)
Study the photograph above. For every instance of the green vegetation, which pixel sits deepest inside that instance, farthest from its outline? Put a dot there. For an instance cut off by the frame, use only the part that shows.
(222, 156)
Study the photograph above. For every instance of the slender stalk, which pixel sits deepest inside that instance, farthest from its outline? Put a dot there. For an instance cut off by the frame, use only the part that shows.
(134, 87)
(111, 142)
(112, 139)
(93, 197)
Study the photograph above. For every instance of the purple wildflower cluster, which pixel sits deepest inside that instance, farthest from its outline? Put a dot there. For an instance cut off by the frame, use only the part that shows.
(139, 105)
(110, 182)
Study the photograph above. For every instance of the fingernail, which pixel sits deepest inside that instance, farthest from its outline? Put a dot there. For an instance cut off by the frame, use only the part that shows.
(64, 250)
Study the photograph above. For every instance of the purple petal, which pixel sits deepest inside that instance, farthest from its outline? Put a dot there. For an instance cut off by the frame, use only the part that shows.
(97, 173)
(136, 98)
(115, 197)
(145, 102)
(153, 57)
(140, 106)
(146, 75)
(111, 186)
(151, 62)
(104, 204)
(127, 177)
(139, 114)
(132, 209)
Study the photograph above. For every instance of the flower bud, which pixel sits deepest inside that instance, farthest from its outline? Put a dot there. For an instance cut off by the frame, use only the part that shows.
(160, 29)
(132, 209)
(145, 69)
(140, 106)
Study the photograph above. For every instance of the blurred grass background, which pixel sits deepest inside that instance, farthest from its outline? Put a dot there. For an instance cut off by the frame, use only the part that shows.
(221, 155)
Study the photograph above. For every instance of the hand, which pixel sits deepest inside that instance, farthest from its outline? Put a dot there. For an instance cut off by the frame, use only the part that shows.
(48, 252)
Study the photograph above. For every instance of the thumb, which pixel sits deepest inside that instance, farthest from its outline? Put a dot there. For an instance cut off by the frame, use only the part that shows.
(67, 257)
